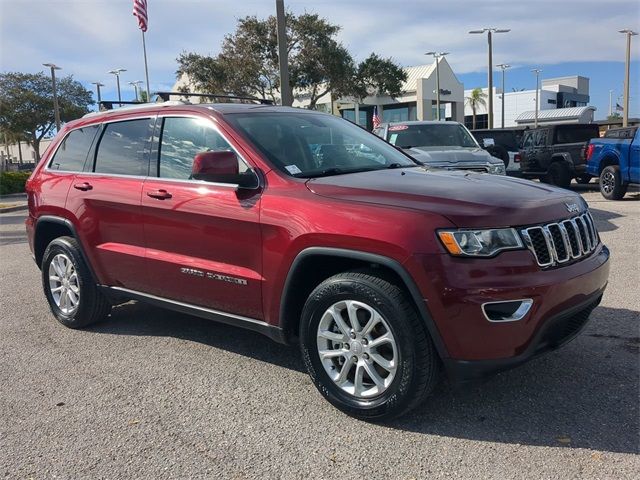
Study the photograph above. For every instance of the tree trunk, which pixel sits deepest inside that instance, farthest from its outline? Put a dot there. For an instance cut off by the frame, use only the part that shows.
(473, 110)
(35, 143)
(20, 151)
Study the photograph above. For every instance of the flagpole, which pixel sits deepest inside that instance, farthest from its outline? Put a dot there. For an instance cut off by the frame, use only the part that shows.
(146, 68)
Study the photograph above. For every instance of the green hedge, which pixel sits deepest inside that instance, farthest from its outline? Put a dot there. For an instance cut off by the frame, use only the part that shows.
(13, 182)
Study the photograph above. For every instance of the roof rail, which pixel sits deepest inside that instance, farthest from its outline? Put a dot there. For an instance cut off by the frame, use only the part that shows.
(134, 106)
(108, 104)
(165, 96)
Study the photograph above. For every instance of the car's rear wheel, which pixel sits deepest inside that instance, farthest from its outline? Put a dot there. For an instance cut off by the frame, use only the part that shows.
(558, 175)
(69, 287)
(611, 186)
(365, 347)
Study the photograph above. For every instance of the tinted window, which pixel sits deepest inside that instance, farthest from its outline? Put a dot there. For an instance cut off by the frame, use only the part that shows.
(73, 151)
(122, 148)
(311, 145)
(431, 135)
(182, 139)
(505, 138)
(576, 133)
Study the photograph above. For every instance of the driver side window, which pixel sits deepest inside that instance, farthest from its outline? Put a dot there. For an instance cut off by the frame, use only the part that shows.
(182, 139)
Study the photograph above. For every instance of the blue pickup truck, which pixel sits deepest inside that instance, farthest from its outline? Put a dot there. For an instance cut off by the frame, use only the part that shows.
(615, 159)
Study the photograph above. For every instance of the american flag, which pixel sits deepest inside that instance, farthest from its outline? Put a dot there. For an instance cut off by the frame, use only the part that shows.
(376, 119)
(619, 108)
(140, 12)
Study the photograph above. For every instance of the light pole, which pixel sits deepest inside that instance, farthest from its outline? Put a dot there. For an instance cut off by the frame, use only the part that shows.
(625, 113)
(117, 72)
(503, 66)
(135, 87)
(98, 85)
(537, 72)
(490, 32)
(437, 56)
(610, 103)
(56, 108)
(286, 97)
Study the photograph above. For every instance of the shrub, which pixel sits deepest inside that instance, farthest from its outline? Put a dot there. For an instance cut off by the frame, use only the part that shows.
(13, 182)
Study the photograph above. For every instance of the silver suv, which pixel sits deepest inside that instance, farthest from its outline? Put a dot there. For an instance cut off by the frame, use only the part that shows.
(447, 145)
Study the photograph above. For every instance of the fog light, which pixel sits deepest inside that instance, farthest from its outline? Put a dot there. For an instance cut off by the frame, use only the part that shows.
(507, 311)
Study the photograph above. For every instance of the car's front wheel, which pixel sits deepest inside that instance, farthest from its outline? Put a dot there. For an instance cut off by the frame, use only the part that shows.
(69, 287)
(365, 347)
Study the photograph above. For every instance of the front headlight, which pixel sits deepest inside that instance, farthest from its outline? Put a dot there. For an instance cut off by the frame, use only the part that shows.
(480, 243)
(497, 169)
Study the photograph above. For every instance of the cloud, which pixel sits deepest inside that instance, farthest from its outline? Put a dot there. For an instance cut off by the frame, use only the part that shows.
(90, 37)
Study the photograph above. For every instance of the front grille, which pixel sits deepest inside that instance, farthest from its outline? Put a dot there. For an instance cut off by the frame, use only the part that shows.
(557, 243)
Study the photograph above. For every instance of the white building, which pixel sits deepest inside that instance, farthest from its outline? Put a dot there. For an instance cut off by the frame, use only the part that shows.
(562, 92)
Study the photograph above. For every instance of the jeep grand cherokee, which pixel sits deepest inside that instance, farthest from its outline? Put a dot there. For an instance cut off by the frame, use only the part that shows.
(310, 230)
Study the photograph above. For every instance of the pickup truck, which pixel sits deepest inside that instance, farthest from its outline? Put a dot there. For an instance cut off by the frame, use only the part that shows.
(553, 153)
(615, 160)
(441, 145)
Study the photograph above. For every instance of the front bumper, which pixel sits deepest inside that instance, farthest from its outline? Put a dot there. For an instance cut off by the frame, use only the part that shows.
(455, 289)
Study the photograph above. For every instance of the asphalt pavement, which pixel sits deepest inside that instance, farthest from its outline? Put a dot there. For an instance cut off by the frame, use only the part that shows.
(155, 394)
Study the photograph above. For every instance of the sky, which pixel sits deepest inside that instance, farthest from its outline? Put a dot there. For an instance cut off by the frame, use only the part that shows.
(87, 38)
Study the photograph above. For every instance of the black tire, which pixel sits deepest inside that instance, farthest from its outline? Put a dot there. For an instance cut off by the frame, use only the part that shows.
(417, 363)
(499, 152)
(584, 179)
(92, 305)
(611, 186)
(558, 175)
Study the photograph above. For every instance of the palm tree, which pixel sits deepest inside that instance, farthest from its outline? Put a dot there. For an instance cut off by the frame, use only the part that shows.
(475, 100)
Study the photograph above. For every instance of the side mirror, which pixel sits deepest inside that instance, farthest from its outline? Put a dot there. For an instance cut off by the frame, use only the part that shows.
(222, 167)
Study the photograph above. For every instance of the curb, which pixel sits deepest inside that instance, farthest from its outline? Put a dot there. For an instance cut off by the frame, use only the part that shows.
(17, 208)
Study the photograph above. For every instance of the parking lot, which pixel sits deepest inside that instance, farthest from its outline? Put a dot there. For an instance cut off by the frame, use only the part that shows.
(156, 394)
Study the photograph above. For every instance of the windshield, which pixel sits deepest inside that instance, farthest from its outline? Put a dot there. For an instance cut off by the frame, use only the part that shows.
(311, 145)
(431, 135)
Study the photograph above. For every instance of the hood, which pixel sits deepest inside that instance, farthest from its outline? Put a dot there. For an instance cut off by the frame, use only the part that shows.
(467, 199)
(450, 156)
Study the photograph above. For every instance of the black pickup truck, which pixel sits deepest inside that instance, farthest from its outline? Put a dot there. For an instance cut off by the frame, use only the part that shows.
(554, 153)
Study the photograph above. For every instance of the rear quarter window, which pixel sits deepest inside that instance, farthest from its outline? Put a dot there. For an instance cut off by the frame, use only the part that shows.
(123, 148)
(576, 133)
(72, 152)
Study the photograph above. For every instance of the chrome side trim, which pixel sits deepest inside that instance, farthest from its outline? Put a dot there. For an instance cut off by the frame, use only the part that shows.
(519, 314)
(195, 308)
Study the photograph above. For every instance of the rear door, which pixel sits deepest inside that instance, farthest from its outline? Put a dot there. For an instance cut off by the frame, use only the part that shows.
(105, 199)
(203, 239)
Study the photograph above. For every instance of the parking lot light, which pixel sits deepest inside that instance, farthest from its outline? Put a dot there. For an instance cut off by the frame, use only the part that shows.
(117, 72)
(625, 113)
(56, 108)
(98, 85)
(490, 32)
(503, 66)
(437, 56)
(537, 72)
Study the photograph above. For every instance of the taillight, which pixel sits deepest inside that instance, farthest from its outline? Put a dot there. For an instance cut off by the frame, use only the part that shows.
(589, 151)
(516, 158)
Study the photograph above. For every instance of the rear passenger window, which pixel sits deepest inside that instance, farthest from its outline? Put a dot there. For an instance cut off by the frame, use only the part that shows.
(121, 150)
(183, 138)
(73, 150)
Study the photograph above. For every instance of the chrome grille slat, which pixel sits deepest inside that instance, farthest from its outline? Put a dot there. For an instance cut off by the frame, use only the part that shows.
(557, 243)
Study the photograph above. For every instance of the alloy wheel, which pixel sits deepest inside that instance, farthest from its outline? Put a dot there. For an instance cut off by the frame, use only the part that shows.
(608, 182)
(357, 348)
(64, 284)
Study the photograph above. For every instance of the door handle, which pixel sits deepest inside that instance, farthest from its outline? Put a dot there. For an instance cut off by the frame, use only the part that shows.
(159, 194)
(84, 186)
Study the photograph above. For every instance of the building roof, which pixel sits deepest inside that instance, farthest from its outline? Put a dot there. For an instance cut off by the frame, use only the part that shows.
(556, 114)
(415, 73)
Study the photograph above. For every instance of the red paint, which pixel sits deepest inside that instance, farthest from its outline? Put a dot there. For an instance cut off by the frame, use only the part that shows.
(140, 232)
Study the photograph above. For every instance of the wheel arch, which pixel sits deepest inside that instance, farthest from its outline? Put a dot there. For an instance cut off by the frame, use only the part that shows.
(608, 161)
(50, 227)
(324, 262)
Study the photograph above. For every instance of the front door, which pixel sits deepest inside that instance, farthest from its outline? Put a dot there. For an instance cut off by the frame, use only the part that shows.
(106, 201)
(203, 239)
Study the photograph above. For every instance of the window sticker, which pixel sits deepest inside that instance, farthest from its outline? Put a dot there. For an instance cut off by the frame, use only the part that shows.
(397, 128)
(293, 169)
(393, 138)
(488, 142)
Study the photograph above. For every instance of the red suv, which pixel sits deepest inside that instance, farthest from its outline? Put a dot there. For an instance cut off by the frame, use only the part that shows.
(310, 230)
